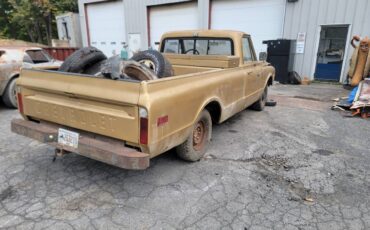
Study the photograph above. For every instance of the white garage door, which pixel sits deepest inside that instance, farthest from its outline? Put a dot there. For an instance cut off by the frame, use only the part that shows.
(106, 26)
(183, 16)
(262, 19)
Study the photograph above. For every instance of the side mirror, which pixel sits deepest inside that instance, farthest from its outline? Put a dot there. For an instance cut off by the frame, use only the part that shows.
(262, 56)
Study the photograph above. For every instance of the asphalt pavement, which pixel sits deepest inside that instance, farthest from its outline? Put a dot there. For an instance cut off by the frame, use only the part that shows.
(298, 165)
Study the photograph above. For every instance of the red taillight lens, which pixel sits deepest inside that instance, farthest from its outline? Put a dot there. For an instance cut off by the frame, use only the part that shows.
(20, 102)
(143, 130)
(143, 114)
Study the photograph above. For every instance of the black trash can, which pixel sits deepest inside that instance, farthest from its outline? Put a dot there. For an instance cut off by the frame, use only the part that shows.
(280, 53)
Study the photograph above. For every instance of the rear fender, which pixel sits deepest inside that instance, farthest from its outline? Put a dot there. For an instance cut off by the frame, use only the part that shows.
(201, 108)
(206, 103)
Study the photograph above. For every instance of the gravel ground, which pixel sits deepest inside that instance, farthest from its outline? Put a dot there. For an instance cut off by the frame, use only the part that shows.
(298, 165)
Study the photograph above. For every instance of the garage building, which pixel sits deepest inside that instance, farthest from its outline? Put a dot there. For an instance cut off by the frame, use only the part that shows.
(325, 27)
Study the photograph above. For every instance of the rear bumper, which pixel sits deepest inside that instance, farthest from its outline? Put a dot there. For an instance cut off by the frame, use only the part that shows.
(106, 150)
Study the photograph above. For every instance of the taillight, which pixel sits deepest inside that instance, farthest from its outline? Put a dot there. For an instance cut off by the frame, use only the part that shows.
(20, 102)
(143, 114)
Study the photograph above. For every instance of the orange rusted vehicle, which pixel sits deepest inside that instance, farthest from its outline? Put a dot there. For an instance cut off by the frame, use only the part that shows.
(11, 61)
(126, 123)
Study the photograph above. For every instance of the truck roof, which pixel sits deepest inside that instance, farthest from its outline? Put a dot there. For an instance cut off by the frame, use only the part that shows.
(204, 33)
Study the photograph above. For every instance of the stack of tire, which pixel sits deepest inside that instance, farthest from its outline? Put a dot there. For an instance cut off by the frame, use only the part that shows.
(92, 61)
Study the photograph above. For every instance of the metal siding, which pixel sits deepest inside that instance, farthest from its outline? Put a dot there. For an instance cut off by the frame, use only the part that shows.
(308, 15)
(203, 13)
(310, 38)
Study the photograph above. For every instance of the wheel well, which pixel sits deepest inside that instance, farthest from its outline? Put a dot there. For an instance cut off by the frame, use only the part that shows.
(214, 110)
(269, 81)
(13, 77)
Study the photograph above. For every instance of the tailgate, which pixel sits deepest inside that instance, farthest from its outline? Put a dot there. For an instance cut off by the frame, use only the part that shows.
(97, 105)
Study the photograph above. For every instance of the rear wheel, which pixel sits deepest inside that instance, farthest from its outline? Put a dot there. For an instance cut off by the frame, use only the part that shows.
(260, 104)
(194, 148)
(10, 95)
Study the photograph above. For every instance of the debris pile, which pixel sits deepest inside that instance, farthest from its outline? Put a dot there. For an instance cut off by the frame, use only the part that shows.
(358, 101)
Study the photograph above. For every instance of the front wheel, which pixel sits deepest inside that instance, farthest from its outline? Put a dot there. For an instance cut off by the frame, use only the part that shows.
(9, 96)
(194, 148)
(260, 104)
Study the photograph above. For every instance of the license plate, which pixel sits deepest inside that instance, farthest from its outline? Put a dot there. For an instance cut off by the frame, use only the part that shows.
(68, 138)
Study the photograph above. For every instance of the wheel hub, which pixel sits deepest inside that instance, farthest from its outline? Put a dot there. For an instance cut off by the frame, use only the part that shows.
(198, 135)
(148, 63)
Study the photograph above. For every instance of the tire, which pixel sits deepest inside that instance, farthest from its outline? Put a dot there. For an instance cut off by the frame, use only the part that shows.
(260, 104)
(95, 69)
(194, 148)
(155, 61)
(9, 96)
(271, 103)
(82, 59)
(294, 78)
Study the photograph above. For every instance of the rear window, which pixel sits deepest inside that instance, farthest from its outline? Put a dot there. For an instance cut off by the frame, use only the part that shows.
(198, 46)
(36, 56)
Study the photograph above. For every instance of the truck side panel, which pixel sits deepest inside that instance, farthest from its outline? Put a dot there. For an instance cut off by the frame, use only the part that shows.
(179, 100)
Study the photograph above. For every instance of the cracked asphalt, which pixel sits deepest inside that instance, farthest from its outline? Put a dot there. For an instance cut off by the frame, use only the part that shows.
(298, 165)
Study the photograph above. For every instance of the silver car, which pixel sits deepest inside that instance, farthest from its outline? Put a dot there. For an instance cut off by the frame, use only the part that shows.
(11, 61)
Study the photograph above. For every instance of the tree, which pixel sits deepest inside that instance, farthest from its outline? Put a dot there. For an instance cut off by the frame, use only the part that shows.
(8, 29)
(32, 20)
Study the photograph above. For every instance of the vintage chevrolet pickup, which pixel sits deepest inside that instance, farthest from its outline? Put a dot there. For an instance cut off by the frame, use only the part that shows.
(125, 122)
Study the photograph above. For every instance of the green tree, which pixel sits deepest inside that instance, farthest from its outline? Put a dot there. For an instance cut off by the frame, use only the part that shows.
(7, 27)
(32, 20)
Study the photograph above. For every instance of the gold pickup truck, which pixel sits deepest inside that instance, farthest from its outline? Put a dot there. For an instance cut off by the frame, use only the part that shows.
(126, 123)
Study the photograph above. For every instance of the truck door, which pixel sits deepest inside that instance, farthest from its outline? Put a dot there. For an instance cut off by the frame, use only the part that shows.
(253, 80)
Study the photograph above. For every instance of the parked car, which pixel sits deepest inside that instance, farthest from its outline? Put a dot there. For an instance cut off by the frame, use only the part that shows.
(11, 61)
(125, 122)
